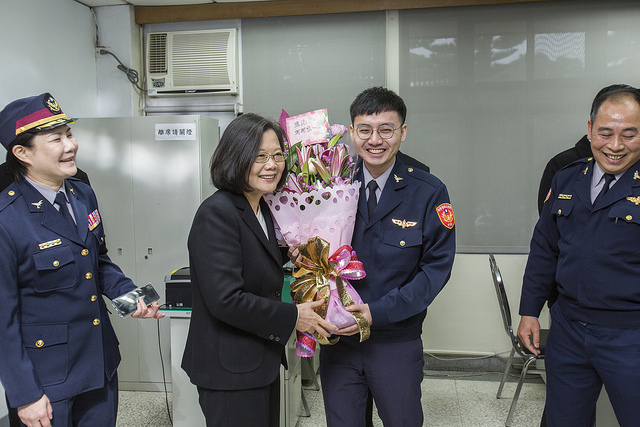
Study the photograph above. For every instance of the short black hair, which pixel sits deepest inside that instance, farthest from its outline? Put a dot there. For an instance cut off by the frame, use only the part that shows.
(240, 143)
(616, 91)
(15, 167)
(376, 100)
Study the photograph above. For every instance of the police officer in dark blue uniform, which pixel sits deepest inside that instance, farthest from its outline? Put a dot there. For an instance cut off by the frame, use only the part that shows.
(587, 240)
(58, 351)
(404, 236)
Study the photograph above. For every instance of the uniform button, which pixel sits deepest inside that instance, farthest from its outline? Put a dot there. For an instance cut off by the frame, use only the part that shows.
(12, 193)
(629, 217)
(88, 276)
(94, 298)
(96, 322)
(271, 337)
(559, 211)
(85, 252)
(402, 243)
(277, 339)
(410, 169)
(102, 240)
(39, 343)
(56, 263)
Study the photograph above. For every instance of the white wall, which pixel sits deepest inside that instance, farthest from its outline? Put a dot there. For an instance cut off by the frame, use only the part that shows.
(47, 46)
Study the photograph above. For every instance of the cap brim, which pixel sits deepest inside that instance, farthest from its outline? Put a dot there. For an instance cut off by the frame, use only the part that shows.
(52, 125)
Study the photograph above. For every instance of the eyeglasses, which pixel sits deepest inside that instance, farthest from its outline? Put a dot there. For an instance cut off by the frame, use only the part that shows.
(384, 131)
(264, 158)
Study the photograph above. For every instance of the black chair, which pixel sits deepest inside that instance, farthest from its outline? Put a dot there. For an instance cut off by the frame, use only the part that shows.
(516, 344)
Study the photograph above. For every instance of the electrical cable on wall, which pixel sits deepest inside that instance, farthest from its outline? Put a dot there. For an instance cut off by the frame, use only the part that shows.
(131, 74)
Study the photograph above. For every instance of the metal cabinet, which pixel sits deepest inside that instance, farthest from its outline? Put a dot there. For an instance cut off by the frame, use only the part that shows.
(150, 174)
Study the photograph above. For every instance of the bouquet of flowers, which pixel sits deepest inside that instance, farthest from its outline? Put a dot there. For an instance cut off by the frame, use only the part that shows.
(316, 211)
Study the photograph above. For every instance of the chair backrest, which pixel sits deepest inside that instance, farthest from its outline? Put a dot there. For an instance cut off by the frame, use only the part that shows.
(502, 296)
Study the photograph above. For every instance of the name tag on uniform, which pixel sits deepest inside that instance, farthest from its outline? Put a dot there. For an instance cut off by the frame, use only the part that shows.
(94, 220)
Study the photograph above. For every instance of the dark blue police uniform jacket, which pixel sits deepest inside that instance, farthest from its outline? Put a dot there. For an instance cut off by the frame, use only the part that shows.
(406, 249)
(593, 252)
(55, 334)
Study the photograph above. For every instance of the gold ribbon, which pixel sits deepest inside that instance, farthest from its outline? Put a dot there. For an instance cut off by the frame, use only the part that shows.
(312, 278)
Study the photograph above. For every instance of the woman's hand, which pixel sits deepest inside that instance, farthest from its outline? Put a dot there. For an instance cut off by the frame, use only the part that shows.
(309, 321)
(145, 311)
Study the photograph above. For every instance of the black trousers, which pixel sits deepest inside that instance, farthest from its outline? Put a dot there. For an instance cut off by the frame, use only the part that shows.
(257, 407)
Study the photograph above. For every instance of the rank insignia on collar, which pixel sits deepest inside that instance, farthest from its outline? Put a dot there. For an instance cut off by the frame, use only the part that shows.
(565, 196)
(404, 223)
(635, 200)
(398, 179)
(445, 213)
(72, 191)
(585, 170)
(636, 175)
(38, 204)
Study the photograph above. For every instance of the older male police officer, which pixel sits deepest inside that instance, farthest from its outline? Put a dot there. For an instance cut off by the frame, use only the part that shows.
(588, 240)
(58, 350)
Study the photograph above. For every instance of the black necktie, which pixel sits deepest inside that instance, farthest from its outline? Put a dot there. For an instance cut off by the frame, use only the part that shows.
(607, 183)
(372, 201)
(61, 201)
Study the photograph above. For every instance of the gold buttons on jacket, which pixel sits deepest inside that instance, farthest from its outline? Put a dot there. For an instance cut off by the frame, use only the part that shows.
(85, 252)
(94, 298)
(629, 218)
(12, 193)
(96, 322)
(410, 169)
(88, 276)
(402, 243)
(39, 343)
(56, 263)
(559, 211)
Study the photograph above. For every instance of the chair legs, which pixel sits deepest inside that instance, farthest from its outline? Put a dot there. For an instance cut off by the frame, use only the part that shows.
(506, 373)
(525, 368)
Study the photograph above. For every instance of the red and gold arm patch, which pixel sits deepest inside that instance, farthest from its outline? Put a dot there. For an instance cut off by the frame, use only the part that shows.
(445, 213)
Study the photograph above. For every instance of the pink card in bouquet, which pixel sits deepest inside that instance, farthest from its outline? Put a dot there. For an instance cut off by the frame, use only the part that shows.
(310, 128)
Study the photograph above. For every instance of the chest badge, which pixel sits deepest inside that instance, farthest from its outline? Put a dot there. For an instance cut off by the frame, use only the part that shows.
(445, 213)
(404, 223)
(38, 204)
(635, 200)
(94, 219)
(565, 196)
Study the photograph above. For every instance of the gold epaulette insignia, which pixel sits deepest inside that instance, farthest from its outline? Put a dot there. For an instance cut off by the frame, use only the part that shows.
(38, 204)
(49, 244)
(398, 179)
(635, 200)
(404, 223)
(565, 196)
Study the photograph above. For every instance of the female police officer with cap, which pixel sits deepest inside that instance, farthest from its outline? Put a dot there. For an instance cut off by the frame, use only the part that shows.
(58, 351)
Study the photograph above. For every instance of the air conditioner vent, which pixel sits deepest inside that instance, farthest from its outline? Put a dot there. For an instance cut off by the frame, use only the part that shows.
(158, 53)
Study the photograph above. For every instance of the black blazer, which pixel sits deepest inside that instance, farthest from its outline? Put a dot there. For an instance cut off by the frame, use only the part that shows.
(238, 323)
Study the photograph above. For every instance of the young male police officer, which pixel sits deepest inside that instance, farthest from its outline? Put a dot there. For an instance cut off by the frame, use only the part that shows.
(404, 235)
(587, 241)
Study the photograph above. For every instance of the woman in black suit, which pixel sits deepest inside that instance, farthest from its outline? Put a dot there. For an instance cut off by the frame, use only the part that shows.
(239, 325)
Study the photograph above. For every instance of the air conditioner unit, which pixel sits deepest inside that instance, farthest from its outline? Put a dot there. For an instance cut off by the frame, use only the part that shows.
(192, 62)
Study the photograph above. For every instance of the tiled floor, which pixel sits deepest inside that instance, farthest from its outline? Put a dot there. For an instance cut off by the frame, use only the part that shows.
(454, 401)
